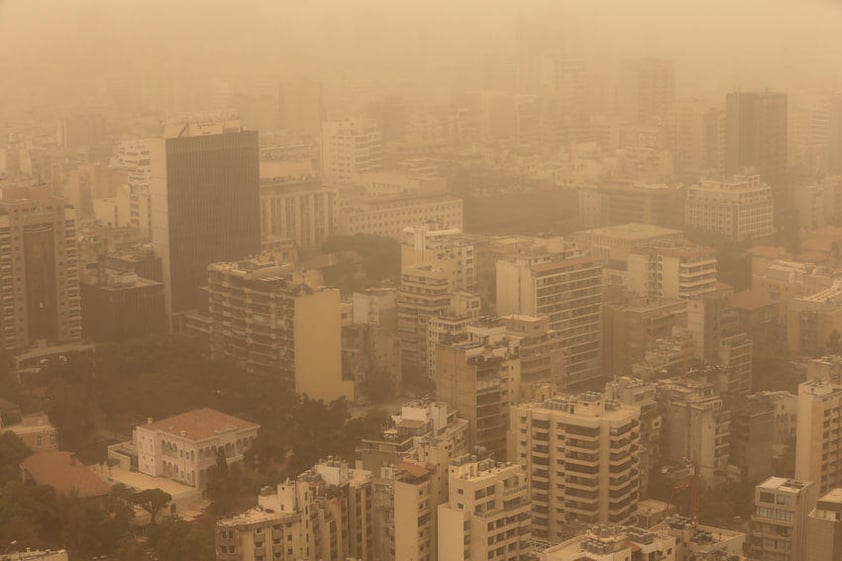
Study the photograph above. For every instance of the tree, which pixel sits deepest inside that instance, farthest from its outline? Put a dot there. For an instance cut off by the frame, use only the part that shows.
(223, 484)
(12, 451)
(152, 501)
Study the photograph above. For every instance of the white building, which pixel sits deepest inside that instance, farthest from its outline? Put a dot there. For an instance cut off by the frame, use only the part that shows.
(183, 447)
(349, 148)
(613, 543)
(739, 209)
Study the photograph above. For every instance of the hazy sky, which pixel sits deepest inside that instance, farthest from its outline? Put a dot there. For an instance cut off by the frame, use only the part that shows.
(718, 44)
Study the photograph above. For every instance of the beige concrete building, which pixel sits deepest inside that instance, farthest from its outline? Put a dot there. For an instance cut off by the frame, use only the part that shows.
(613, 542)
(349, 148)
(824, 528)
(779, 522)
(564, 285)
(696, 425)
(303, 211)
(480, 378)
(631, 324)
(388, 216)
(184, 447)
(325, 513)
(280, 320)
(623, 202)
(817, 444)
(487, 514)
(738, 209)
(700, 542)
(810, 320)
(448, 249)
(615, 243)
(598, 443)
(39, 275)
(679, 271)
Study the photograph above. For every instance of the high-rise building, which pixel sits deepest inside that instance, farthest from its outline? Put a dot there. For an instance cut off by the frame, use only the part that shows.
(39, 274)
(424, 292)
(738, 209)
(824, 528)
(487, 514)
(817, 442)
(597, 442)
(448, 249)
(349, 148)
(205, 203)
(134, 156)
(565, 286)
(756, 128)
(278, 320)
(325, 513)
(480, 378)
(696, 425)
(779, 523)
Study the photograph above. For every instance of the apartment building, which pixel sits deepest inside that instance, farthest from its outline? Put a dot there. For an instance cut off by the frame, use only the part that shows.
(738, 209)
(779, 523)
(818, 446)
(678, 271)
(824, 528)
(325, 513)
(566, 287)
(185, 446)
(810, 320)
(278, 320)
(448, 249)
(424, 293)
(350, 147)
(480, 378)
(487, 514)
(696, 424)
(582, 456)
(39, 273)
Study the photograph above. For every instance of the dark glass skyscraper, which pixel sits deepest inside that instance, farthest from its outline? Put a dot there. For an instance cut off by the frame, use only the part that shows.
(205, 203)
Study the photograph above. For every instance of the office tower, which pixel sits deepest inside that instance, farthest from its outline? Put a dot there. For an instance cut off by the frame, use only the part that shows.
(445, 248)
(597, 442)
(756, 128)
(686, 137)
(480, 379)
(824, 528)
(679, 270)
(302, 211)
(81, 131)
(205, 203)
(647, 90)
(716, 140)
(277, 320)
(301, 106)
(349, 148)
(817, 442)
(738, 209)
(39, 277)
(325, 513)
(566, 286)
(487, 514)
(696, 425)
(779, 523)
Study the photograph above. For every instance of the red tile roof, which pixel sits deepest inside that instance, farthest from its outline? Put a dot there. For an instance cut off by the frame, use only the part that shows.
(200, 424)
(64, 473)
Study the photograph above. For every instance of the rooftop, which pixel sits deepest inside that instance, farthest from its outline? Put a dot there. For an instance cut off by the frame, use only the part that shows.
(783, 484)
(200, 424)
(631, 231)
(64, 473)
